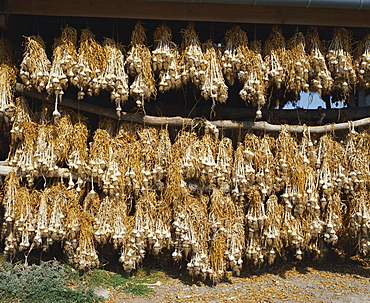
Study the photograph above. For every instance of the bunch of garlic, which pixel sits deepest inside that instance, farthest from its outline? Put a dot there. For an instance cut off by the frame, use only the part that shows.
(275, 59)
(133, 251)
(253, 78)
(35, 66)
(165, 58)
(243, 173)
(7, 85)
(320, 77)
(226, 219)
(21, 115)
(161, 160)
(255, 225)
(223, 165)
(207, 161)
(359, 222)
(340, 62)
(12, 185)
(23, 157)
(234, 59)
(363, 62)
(114, 77)
(78, 155)
(63, 66)
(139, 66)
(91, 61)
(192, 63)
(299, 67)
(213, 86)
(99, 153)
(45, 153)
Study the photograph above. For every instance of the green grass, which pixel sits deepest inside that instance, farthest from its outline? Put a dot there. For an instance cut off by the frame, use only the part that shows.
(137, 285)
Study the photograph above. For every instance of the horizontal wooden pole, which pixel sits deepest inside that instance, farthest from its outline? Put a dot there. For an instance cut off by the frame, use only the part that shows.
(182, 122)
(215, 12)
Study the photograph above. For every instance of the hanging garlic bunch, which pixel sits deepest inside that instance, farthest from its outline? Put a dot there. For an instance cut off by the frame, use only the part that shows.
(189, 168)
(139, 65)
(223, 166)
(23, 157)
(207, 163)
(165, 58)
(78, 154)
(253, 78)
(363, 62)
(102, 221)
(226, 220)
(262, 162)
(161, 160)
(148, 138)
(234, 59)
(19, 233)
(275, 59)
(35, 66)
(86, 255)
(272, 244)
(243, 173)
(255, 224)
(91, 61)
(213, 86)
(8, 77)
(299, 67)
(45, 152)
(192, 63)
(21, 115)
(72, 212)
(332, 218)
(359, 222)
(320, 77)
(191, 235)
(9, 202)
(113, 76)
(152, 222)
(7, 85)
(340, 62)
(63, 65)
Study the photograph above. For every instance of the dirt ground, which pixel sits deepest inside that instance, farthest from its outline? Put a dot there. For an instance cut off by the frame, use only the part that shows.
(342, 282)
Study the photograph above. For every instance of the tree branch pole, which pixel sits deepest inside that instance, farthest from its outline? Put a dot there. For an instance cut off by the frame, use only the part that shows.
(182, 122)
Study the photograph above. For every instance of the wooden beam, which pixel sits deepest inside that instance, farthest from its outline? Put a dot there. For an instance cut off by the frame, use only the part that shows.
(186, 122)
(191, 12)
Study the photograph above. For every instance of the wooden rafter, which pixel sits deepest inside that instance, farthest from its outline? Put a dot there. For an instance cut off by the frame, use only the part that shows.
(191, 12)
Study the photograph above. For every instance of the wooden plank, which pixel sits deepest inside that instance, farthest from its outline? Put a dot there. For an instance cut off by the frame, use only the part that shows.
(191, 12)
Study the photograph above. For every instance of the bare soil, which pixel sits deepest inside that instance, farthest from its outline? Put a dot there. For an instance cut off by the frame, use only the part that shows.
(342, 282)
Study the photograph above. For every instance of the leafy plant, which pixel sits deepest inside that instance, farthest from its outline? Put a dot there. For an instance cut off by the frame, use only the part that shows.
(44, 283)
